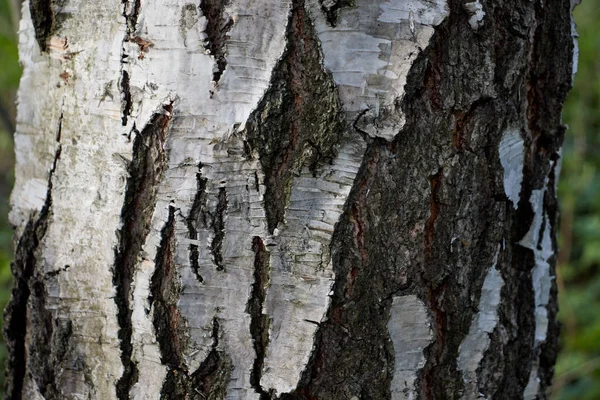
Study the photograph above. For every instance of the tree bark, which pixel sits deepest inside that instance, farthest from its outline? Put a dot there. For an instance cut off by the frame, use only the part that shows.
(293, 199)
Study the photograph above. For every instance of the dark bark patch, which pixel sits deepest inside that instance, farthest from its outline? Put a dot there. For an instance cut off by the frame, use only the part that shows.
(169, 324)
(298, 122)
(196, 217)
(435, 181)
(217, 26)
(331, 8)
(218, 224)
(126, 102)
(42, 17)
(212, 376)
(131, 11)
(259, 323)
(145, 172)
(208, 382)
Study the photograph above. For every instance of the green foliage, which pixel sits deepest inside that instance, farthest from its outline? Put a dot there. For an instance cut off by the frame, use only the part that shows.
(578, 367)
(10, 72)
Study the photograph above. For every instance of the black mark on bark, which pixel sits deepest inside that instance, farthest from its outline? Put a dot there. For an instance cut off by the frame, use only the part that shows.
(217, 26)
(131, 11)
(299, 120)
(259, 323)
(218, 223)
(125, 97)
(331, 8)
(197, 216)
(42, 17)
(145, 172)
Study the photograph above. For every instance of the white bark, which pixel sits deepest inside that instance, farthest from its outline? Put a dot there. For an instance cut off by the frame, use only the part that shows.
(410, 330)
(474, 346)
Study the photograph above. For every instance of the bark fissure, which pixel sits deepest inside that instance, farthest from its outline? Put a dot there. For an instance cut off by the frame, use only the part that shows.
(210, 380)
(131, 10)
(145, 172)
(164, 293)
(212, 376)
(259, 323)
(197, 215)
(125, 97)
(298, 122)
(218, 24)
(218, 225)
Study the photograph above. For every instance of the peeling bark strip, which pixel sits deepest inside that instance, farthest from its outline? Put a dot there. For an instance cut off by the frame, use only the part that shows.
(145, 172)
(299, 122)
(218, 23)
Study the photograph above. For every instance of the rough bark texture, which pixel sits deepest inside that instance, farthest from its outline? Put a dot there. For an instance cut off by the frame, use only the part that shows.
(299, 199)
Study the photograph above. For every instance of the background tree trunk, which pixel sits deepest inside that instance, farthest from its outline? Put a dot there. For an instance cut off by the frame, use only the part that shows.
(294, 199)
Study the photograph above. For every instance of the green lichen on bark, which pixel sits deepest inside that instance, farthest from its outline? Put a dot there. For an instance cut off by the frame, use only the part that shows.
(299, 121)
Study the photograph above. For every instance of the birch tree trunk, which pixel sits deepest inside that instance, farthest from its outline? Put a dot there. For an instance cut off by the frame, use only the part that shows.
(291, 199)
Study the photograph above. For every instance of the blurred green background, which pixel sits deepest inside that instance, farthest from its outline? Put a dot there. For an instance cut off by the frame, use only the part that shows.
(578, 275)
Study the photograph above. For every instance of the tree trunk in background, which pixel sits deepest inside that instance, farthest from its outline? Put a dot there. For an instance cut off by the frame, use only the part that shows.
(293, 199)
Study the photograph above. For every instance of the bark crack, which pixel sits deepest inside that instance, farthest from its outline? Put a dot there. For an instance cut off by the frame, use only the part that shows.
(131, 10)
(196, 216)
(145, 173)
(218, 24)
(125, 97)
(164, 294)
(218, 224)
(259, 323)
